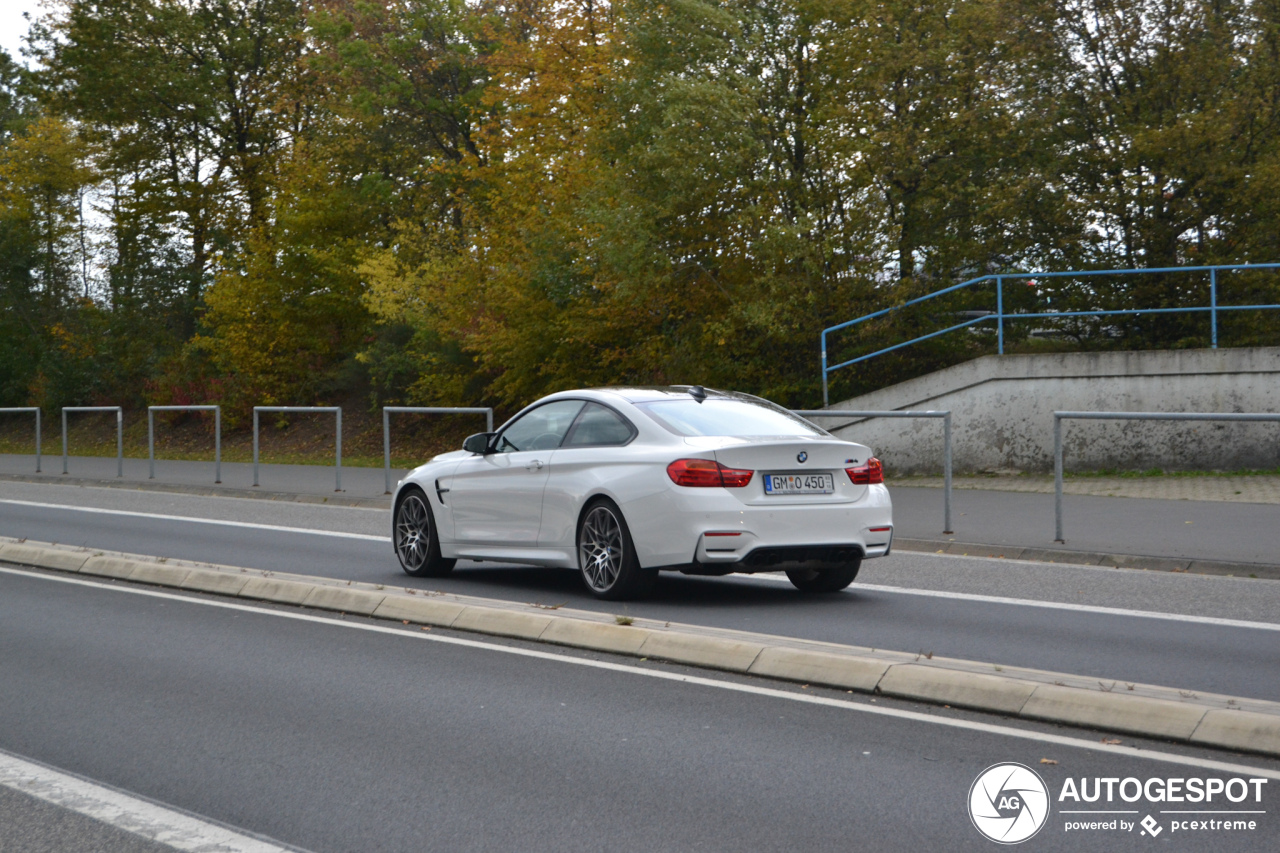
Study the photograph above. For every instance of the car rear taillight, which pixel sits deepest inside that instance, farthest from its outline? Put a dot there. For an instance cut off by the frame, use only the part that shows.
(707, 472)
(868, 474)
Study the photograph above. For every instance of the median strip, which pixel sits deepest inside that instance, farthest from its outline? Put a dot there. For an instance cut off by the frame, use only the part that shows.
(1235, 723)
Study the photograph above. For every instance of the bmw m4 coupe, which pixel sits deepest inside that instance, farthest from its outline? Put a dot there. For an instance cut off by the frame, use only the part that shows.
(621, 483)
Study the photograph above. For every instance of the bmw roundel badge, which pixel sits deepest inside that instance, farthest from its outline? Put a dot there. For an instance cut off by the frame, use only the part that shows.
(802, 456)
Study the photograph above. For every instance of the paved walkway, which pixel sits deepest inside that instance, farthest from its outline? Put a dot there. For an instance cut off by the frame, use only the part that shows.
(1260, 489)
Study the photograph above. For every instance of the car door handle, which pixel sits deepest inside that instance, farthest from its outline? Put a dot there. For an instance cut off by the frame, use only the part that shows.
(534, 465)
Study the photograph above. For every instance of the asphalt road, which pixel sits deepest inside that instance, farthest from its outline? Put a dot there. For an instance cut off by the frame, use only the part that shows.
(1108, 646)
(1229, 532)
(333, 738)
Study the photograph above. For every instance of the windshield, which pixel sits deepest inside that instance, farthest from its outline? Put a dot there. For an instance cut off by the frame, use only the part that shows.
(715, 416)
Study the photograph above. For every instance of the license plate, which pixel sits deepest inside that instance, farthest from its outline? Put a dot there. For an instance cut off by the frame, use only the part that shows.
(799, 484)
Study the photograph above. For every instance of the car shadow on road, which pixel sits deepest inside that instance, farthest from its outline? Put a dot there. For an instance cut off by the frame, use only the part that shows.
(563, 587)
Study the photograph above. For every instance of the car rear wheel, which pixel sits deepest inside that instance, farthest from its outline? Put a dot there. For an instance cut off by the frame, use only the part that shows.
(607, 556)
(832, 579)
(416, 542)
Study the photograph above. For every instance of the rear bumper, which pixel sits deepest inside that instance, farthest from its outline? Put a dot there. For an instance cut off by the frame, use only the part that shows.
(711, 528)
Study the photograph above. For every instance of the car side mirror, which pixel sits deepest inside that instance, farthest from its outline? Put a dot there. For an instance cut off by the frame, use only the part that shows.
(478, 443)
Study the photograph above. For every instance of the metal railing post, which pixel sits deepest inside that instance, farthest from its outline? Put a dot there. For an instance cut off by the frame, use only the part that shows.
(337, 443)
(1057, 478)
(36, 411)
(825, 401)
(1213, 307)
(217, 434)
(386, 451)
(946, 473)
(119, 433)
(387, 411)
(217, 444)
(1059, 417)
(255, 445)
(1000, 314)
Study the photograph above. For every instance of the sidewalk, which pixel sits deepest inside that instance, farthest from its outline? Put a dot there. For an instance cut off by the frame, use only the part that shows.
(1160, 520)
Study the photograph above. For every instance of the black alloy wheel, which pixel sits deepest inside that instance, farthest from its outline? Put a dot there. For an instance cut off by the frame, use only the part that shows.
(416, 542)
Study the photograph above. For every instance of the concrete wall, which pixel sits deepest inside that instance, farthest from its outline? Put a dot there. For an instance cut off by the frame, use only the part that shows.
(1002, 412)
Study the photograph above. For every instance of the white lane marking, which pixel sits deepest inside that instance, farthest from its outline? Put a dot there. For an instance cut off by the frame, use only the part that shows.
(914, 716)
(962, 596)
(365, 536)
(1051, 605)
(131, 814)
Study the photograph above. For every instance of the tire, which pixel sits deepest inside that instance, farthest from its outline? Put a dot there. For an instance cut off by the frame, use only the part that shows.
(607, 556)
(414, 537)
(832, 579)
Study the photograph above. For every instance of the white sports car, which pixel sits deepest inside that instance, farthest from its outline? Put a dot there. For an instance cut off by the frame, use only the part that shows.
(620, 483)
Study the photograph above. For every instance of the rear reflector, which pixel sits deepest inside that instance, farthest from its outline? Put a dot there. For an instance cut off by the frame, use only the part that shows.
(868, 474)
(879, 529)
(707, 472)
(722, 534)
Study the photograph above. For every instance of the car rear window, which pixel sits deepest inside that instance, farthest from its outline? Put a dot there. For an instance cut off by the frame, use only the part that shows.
(737, 418)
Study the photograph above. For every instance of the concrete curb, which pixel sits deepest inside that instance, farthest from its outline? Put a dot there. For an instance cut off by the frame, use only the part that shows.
(1089, 558)
(1234, 723)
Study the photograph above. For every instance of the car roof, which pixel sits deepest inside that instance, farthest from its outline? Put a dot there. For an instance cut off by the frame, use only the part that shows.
(650, 393)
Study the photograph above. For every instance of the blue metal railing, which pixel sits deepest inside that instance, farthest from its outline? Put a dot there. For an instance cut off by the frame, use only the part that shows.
(999, 316)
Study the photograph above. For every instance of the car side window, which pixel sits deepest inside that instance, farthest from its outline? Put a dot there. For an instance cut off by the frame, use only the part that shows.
(542, 428)
(599, 426)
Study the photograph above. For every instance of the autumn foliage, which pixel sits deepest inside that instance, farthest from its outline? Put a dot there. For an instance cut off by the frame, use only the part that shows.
(447, 202)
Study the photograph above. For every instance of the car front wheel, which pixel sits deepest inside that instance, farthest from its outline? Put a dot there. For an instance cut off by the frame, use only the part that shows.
(416, 542)
(607, 556)
(831, 579)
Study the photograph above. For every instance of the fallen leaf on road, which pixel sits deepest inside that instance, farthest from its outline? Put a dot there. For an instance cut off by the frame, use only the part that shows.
(1047, 761)
(1111, 741)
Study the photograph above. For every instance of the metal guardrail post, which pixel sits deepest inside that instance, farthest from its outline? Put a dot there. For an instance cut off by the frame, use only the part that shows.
(1000, 314)
(387, 411)
(1059, 417)
(119, 433)
(945, 416)
(1057, 477)
(1213, 307)
(946, 474)
(825, 401)
(36, 410)
(337, 411)
(255, 445)
(217, 436)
